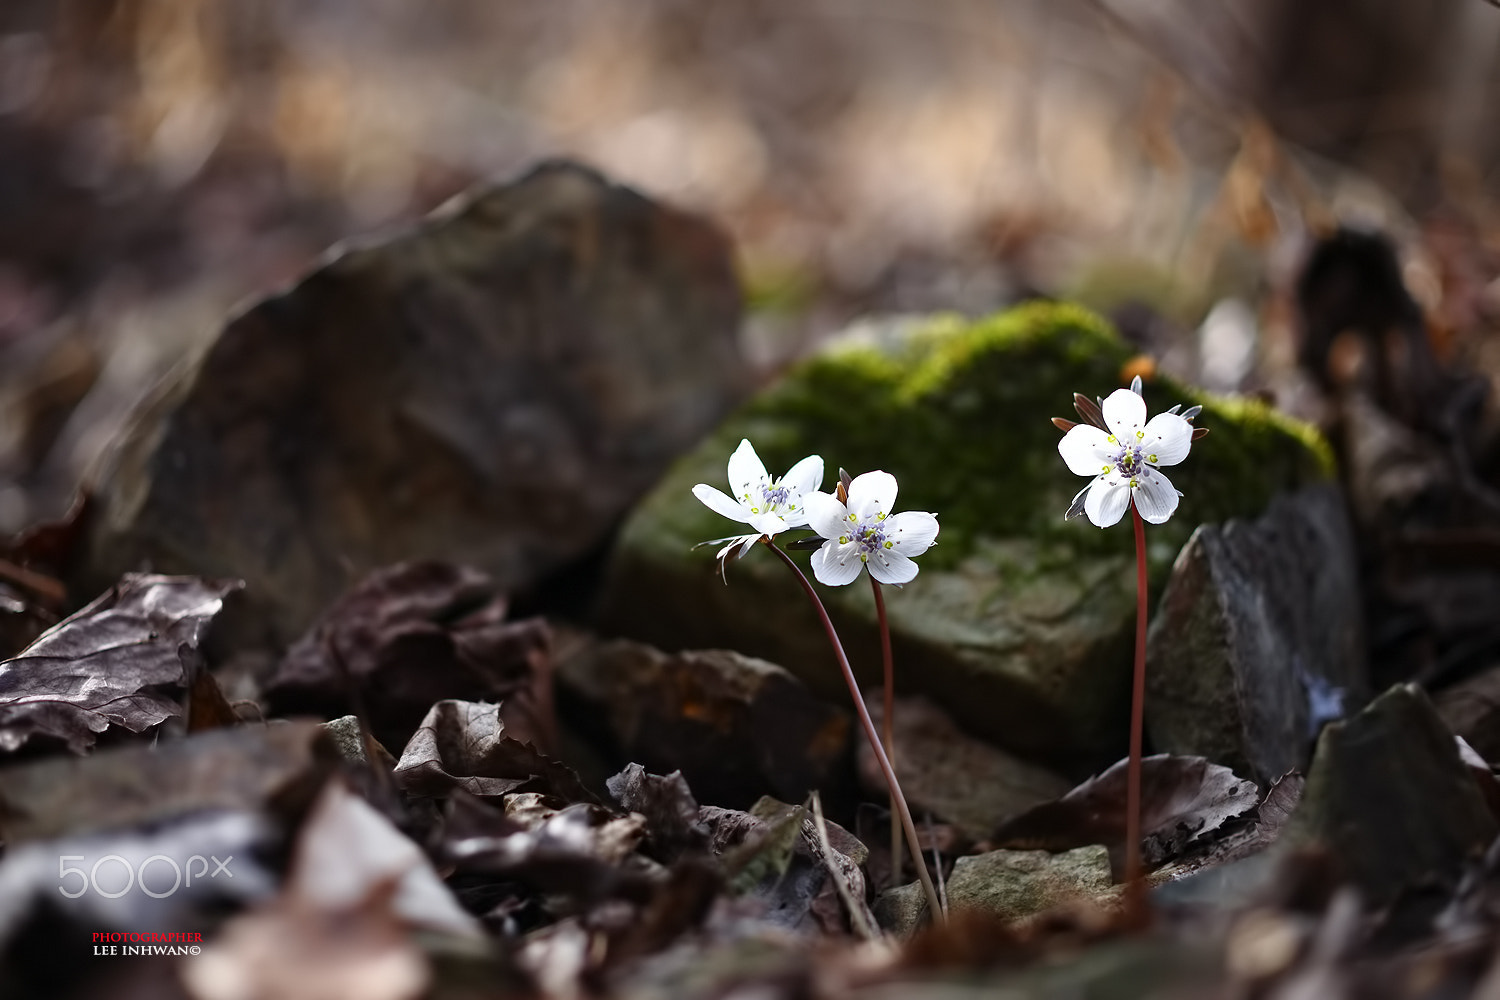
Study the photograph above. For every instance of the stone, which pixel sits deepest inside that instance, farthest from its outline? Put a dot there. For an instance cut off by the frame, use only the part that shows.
(349, 740)
(1005, 885)
(736, 727)
(493, 387)
(902, 910)
(1020, 624)
(1015, 884)
(965, 781)
(1390, 800)
(1258, 639)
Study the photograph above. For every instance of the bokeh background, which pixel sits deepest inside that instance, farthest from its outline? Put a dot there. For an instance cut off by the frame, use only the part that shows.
(1165, 161)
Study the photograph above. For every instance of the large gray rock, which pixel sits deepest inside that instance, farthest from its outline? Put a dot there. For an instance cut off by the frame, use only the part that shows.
(1258, 638)
(1020, 623)
(493, 387)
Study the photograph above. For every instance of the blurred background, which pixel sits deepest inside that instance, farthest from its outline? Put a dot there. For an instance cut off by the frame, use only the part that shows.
(1165, 161)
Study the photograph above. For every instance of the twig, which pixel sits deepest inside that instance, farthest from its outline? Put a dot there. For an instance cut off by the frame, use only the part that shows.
(859, 915)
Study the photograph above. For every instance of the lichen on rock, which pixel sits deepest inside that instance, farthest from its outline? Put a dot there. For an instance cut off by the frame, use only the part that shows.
(1019, 623)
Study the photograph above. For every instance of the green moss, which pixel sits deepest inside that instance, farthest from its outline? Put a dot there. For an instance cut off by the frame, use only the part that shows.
(960, 416)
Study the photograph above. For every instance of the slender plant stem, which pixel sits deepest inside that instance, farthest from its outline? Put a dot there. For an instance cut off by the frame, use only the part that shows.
(1134, 886)
(868, 725)
(888, 721)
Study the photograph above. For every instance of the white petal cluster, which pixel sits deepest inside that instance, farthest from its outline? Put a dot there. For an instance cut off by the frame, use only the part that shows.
(1125, 461)
(770, 506)
(864, 532)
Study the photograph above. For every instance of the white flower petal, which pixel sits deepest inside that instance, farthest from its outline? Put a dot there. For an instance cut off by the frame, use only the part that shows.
(768, 523)
(1087, 450)
(716, 501)
(911, 532)
(1154, 497)
(872, 493)
(1108, 497)
(825, 514)
(746, 470)
(804, 477)
(1125, 412)
(1168, 438)
(890, 566)
(835, 565)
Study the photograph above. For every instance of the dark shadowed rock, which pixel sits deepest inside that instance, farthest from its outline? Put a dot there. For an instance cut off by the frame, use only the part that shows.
(493, 387)
(966, 781)
(736, 727)
(1390, 799)
(1258, 639)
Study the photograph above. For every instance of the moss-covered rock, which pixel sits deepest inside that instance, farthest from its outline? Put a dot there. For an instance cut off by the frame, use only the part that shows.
(1020, 623)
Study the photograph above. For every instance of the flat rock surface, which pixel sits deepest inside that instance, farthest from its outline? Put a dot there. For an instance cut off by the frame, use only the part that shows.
(1013, 884)
(1258, 638)
(493, 387)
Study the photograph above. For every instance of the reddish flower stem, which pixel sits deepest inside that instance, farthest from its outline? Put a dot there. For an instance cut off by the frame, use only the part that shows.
(1134, 885)
(887, 719)
(868, 725)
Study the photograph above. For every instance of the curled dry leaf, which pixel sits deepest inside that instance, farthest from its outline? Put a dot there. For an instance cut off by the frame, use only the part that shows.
(1183, 800)
(118, 662)
(671, 812)
(463, 744)
(409, 635)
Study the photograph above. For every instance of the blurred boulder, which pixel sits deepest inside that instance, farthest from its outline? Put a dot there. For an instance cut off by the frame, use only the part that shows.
(736, 727)
(1019, 624)
(965, 781)
(1258, 639)
(493, 387)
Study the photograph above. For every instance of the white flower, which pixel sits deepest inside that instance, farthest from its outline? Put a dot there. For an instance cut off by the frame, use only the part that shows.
(770, 506)
(865, 532)
(1125, 460)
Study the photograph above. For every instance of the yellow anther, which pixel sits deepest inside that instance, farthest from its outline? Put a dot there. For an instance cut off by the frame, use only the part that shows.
(1106, 468)
(1151, 458)
(843, 539)
(880, 516)
(890, 544)
(863, 557)
(755, 510)
(1140, 435)
(1135, 484)
(1111, 439)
